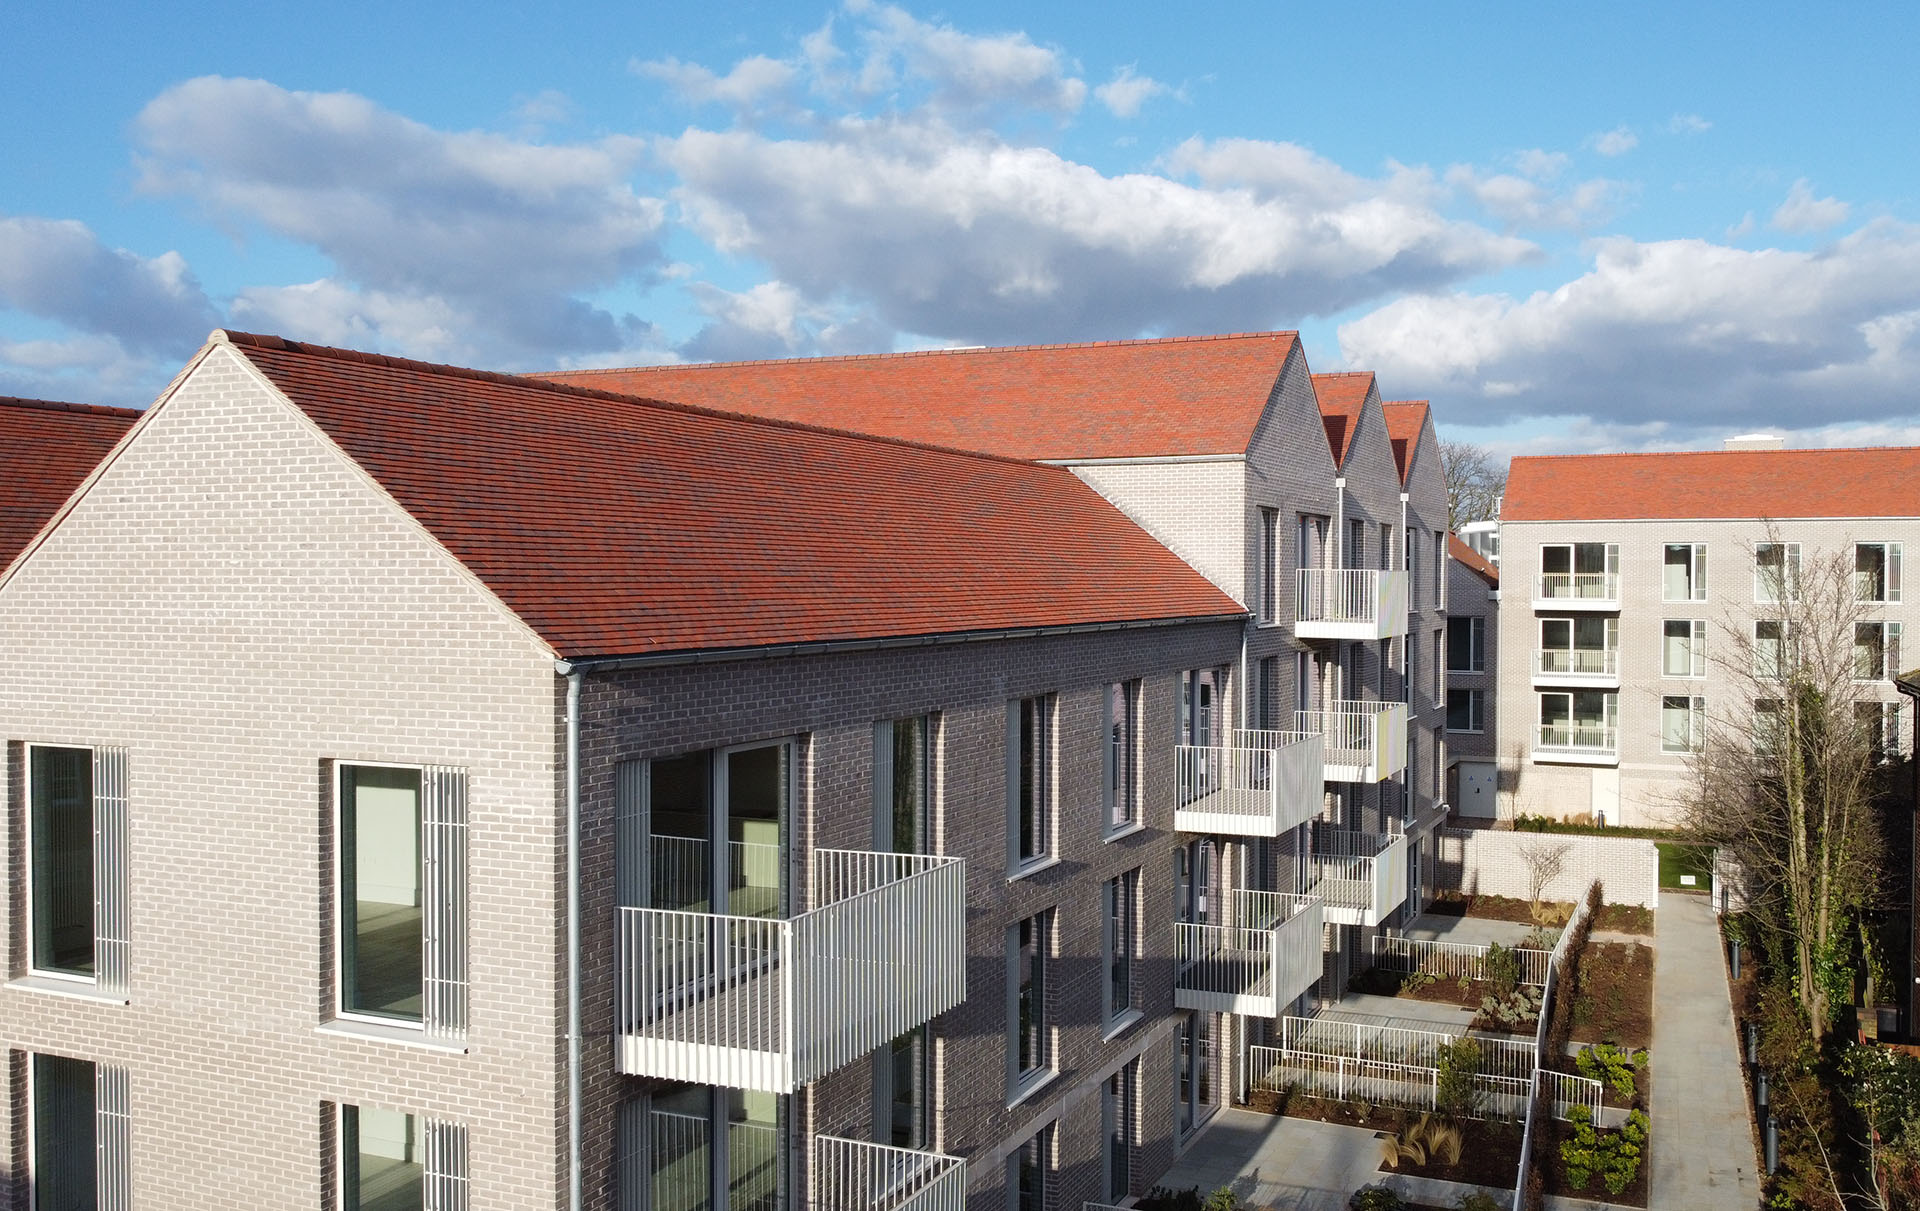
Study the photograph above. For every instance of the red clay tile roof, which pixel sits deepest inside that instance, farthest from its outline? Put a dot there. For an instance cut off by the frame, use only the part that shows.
(1473, 560)
(1110, 399)
(1879, 481)
(1342, 395)
(1405, 419)
(46, 449)
(619, 526)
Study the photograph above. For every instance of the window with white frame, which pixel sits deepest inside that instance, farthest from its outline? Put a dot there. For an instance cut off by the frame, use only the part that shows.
(1579, 570)
(78, 914)
(401, 895)
(1685, 572)
(392, 1161)
(1029, 781)
(1120, 906)
(1766, 725)
(1769, 648)
(1122, 755)
(1884, 728)
(1683, 647)
(1466, 645)
(1876, 651)
(1683, 723)
(1466, 710)
(1581, 720)
(1776, 572)
(1584, 646)
(1269, 566)
(80, 1127)
(1030, 1041)
(1876, 571)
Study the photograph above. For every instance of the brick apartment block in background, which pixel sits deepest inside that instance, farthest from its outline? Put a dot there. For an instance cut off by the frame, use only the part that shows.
(1621, 575)
(954, 803)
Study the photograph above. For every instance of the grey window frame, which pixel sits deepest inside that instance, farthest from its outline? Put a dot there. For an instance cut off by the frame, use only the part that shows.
(1120, 758)
(1119, 948)
(886, 784)
(1474, 627)
(1024, 1080)
(1269, 604)
(108, 867)
(1031, 724)
(1476, 709)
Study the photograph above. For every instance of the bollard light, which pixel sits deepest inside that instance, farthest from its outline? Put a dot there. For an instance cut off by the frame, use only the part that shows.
(1753, 1043)
(1760, 1089)
(1736, 958)
(1773, 1146)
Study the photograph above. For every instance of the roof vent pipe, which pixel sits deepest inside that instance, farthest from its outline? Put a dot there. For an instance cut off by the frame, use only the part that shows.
(1756, 441)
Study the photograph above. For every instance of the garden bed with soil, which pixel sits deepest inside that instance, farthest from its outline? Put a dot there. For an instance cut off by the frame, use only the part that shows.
(1612, 997)
(1634, 1195)
(1378, 981)
(1489, 1152)
(1612, 918)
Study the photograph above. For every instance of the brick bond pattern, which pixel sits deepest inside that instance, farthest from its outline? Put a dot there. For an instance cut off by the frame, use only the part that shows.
(1496, 864)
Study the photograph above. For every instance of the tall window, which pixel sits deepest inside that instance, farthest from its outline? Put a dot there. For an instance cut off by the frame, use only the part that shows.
(1269, 566)
(1466, 710)
(1440, 568)
(1776, 571)
(1439, 664)
(1272, 706)
(902, 785)
(1466, 645)
(78, 1119)
(1119, 909)
(1766, 725)
(1876, 651)
(78, 915)
(1882, 724)
(698, 1148)
(1683, 647)
(1581, 570)
(1200, 692)
(1683, 723)
(1355, 556)
(1412, 546)
(1029, 781)
(1386, 547)
(902, 1092)
(1583, 719)
(1769, 648)
(1876, 571)
(1412, 645)
(1027, 1173)
(401, 933)
(1123, 746)
(1584, 645)
(1116, 1123)
(1685, 575)
(1030, 1049)
(1193, 1072)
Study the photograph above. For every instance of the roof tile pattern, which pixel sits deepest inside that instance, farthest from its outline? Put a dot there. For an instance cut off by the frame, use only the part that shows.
(1342, 395)
(46, 450)
(1405, 419)
(1472, 560)
(1880, 481)
(1111, 399)
(617, 526)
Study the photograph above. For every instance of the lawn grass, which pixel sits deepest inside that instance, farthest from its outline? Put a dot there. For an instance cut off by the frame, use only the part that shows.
(1678, 858)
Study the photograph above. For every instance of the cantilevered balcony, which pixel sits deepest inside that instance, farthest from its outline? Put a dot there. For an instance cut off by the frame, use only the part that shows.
(1350, 603)
(1577, 744)
(751, 1002)
(1366, 741)
(1361, 876)
(1256, 967)
(1577, 591)
(850, 1175)
(1596, 667)
(1265, 784)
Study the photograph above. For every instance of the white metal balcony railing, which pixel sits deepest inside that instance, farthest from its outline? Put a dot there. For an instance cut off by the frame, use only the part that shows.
(1371, 1040)
(1366, 741)
(681, 1177)
(1350, 603)
(1577, 741)
(1597, 590)
(682, 875)
(1256, 967)
(1453, 960)
(1577, 663)
(850, 1175)
(1267, 783)
(767, 1004)
(1361, 876)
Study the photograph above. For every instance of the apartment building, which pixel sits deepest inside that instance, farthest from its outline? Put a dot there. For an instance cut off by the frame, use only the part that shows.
(1473, 672)
(437, 788)
(1629, 577)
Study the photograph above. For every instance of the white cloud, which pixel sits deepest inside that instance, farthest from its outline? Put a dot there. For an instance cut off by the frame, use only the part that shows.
(1688, 124)
(59, 270)
(1802, 212)
(1745, 227)
(965, 72)
(87, 369)
(1541, 165)
(1522, 204)
(970, 238)
(506, 231)
(1699, 334)
(1616, 142)
(545, 108)
(752, 81)
(1126, 93)
(773, 319)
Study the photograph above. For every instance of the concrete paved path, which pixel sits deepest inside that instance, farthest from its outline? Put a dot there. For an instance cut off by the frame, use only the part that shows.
(1702, 1145)
(1474, 931)
(1286, 1163)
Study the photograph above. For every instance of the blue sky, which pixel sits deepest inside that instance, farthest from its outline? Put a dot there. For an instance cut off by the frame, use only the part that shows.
(1631, 227)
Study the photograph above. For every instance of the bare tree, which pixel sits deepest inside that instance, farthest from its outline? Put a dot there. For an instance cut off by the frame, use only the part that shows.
(1475, 481)
(1545, 860)
(1786, 776)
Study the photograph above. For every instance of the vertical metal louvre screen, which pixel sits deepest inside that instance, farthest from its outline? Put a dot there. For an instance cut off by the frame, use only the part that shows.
(630, 829)
(443, 825)
(113, 1138)
(445, 1180)
(112, 915)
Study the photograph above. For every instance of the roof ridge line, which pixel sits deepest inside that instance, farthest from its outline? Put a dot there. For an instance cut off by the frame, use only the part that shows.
(951, 351)
(269, 342)
(1697, 453)
(55, 405)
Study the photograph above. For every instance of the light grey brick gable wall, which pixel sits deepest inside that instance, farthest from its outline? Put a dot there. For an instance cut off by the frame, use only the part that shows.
(1646, 776)
(832, 701)
(236, 605)
(1469, 596)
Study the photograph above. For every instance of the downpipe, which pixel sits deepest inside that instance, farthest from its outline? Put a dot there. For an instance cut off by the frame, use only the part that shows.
(573, 940)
